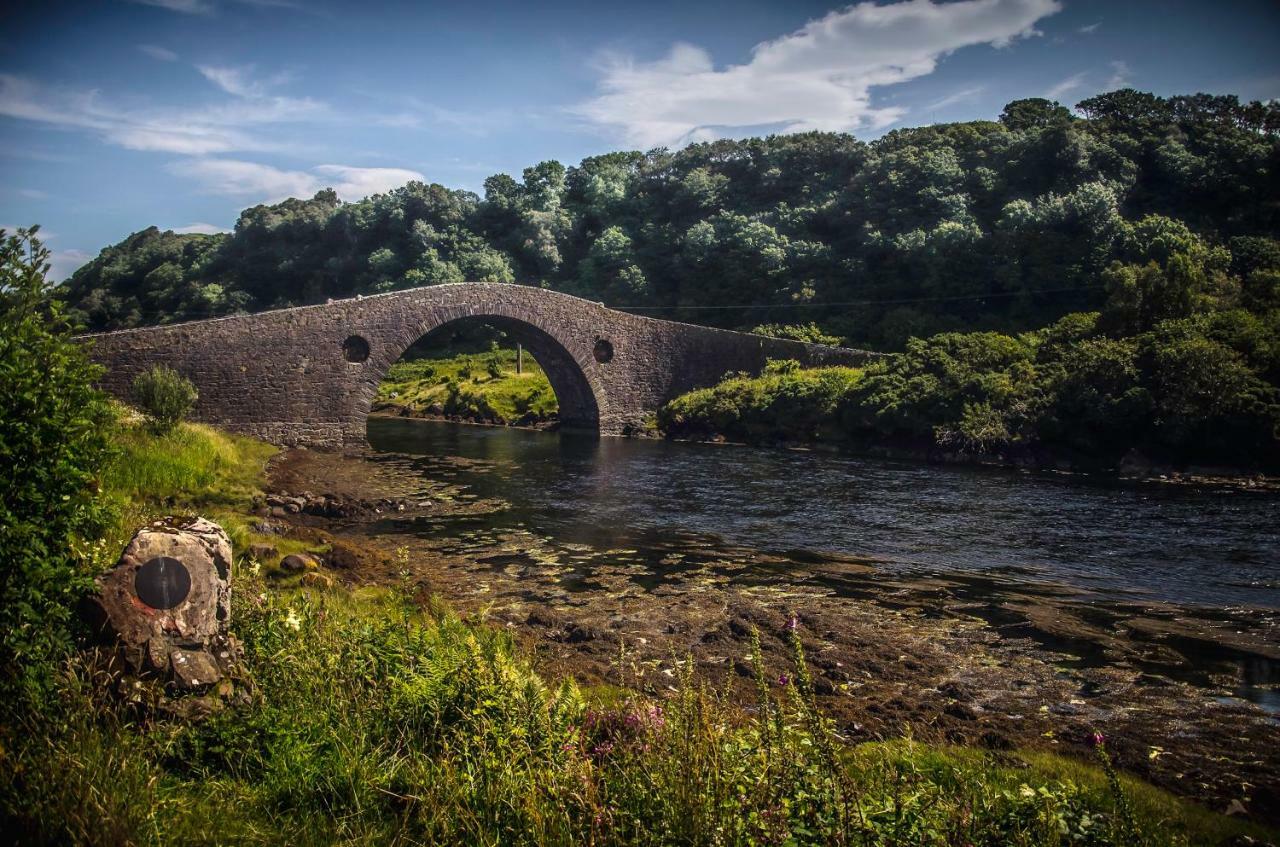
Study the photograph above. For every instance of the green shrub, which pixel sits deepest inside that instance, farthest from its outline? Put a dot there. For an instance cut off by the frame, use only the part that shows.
(164, 395)
(809, 332)
(55, 431)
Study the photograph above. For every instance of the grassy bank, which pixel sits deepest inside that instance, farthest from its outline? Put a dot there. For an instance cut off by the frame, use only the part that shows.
(475, 386)
(379, 716)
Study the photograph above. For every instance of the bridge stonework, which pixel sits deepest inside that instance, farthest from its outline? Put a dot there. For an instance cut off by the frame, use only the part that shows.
(308, 375)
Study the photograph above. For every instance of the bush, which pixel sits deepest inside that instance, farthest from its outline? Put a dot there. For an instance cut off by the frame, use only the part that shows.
(55, 431)
(164, 395)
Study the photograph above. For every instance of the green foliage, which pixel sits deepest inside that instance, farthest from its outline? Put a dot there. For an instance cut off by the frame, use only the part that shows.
(981, 225)
(164, 395)
(809, 332)
(786, 403)
(476, 386)
(55, 432)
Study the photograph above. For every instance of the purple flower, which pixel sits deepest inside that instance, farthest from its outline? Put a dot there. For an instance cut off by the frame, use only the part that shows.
(783, 679)
(793, 623)
(1097, 739)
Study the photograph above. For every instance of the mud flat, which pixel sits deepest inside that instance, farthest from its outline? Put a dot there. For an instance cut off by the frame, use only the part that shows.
(1186, 696)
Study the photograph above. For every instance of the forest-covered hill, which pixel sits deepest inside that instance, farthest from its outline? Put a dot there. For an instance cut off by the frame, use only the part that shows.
(1004, 224)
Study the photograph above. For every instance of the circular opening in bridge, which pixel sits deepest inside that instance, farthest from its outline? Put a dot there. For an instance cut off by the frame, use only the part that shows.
(162, 583)
(484, 370)
(603, 351)
(355, 349)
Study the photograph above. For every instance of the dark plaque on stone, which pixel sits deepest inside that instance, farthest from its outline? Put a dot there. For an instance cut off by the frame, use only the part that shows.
(162, 582)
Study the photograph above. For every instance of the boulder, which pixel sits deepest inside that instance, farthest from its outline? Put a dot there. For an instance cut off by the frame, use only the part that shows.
(262, 552)
(297, 563)
(169, 598)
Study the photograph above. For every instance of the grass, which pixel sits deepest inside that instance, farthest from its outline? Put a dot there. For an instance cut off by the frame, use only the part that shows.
(478, 386)
(378, 716)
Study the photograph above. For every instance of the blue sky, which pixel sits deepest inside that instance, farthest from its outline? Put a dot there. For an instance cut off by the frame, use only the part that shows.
(119, 114)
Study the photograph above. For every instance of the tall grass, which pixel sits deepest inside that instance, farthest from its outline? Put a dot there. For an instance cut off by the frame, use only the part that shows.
(375, 720)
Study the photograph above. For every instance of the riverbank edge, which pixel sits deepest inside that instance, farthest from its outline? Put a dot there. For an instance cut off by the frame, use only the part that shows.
(1135, 471)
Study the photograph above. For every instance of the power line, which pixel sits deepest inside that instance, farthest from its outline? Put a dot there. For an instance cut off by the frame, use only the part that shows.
(890, 302)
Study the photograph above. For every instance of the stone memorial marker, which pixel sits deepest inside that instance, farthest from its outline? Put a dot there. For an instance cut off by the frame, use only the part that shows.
(168, 601)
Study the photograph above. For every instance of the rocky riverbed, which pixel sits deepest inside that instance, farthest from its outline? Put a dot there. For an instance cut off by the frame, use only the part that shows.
(945, 657)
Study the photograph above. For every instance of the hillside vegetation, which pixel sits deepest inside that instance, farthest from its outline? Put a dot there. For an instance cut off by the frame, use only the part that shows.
(1090, 284)
(1004, 224)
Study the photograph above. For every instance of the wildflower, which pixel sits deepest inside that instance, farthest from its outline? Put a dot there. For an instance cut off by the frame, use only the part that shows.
(793, 623)
(1097, 739)
(1025, 790)
(292, 620)
(783, 679)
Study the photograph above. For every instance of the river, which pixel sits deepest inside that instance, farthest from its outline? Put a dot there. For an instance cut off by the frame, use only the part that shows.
(1129, 542)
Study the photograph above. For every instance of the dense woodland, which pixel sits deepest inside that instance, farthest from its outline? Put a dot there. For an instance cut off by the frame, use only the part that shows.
(1141, 231)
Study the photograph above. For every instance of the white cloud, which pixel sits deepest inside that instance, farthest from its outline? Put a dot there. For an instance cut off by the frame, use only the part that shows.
(158, 53)
(195, 131)
(1090, 29)
(266, 184)
(1071, 83)
(1119, 75)
(356, 183)
(63, 263)
(818, 77)
(957, 97)
(33, 193)
(186, 7)
(200, 228)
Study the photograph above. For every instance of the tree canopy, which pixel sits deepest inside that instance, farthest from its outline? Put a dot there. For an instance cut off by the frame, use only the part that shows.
(1004, 224)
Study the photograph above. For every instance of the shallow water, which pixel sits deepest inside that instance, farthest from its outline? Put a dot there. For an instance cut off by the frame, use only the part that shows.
(1129, 543)
(946, 540)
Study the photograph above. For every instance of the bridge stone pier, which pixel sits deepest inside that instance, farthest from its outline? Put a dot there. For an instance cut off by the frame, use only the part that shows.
(307, 375)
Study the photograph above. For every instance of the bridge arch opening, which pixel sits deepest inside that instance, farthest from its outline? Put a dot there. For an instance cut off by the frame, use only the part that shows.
(489, 369)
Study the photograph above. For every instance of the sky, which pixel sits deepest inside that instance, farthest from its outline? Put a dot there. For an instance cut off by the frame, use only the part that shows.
(116, 115)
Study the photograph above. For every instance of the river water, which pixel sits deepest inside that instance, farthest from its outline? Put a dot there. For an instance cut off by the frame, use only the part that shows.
(1121, 542)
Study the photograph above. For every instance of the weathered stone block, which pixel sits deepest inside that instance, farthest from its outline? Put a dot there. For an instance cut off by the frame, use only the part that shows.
(169, 597)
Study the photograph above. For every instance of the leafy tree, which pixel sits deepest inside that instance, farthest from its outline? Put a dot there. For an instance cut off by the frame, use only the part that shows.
(54, 437)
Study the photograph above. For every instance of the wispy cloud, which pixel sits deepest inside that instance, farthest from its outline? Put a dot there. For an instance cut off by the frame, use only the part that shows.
(957, 97)
(185, 7)
(818, 77)
(1090, 29)
(263, 183)
(158, 53)
(1069, 84)
(241, 81)
(196, 131)
(207, 7)
(63, 263)
(200, 228)
(1119, 75)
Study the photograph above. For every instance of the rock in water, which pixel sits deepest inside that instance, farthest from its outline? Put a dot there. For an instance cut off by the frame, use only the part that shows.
(168, 600)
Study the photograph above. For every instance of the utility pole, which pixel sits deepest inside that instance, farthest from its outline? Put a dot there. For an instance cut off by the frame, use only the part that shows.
(519, 358)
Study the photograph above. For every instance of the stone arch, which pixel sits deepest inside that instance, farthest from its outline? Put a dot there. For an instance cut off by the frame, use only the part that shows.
(569, 363)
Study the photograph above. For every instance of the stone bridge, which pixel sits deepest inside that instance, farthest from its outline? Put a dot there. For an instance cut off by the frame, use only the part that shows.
(307, 375)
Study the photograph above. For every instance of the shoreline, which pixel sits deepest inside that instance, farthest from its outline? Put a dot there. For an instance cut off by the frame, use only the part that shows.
(1021, 667)
(1193, 476)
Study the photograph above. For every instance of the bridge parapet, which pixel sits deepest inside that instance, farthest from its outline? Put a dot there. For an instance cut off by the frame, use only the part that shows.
(308, 375)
